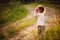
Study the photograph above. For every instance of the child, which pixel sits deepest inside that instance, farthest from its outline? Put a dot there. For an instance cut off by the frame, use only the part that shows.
(40, 19)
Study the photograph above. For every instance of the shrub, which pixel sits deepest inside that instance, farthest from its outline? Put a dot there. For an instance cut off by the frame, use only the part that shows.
(12, 12)
(10, 32)
(2, 37)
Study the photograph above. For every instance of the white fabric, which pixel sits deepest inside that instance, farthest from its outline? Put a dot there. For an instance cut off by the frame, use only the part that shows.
(40, 20)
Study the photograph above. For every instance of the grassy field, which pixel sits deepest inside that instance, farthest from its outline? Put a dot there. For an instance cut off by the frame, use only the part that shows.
(53, 33)
(12, 12)
(13, 30)
(16, 12)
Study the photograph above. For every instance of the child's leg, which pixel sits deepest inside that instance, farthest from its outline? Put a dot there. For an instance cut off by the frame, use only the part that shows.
(40, 29)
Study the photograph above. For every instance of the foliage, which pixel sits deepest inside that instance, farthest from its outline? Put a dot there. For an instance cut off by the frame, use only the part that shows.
(10, 32)
(12, 12)
(32, 1)
(53, 33)
(2, 37)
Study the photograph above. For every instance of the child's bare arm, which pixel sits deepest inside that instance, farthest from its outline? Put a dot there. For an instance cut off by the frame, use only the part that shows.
(35, 13)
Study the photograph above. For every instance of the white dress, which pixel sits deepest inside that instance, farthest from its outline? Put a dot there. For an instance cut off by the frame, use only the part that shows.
(40, 20)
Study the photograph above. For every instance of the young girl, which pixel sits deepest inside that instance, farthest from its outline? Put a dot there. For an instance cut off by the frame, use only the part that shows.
(40, 18)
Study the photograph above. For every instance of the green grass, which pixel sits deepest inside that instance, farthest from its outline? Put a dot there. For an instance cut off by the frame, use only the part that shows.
(2, 37)
(26, 23)
(13, 30)
(53, 33)
(12, 12)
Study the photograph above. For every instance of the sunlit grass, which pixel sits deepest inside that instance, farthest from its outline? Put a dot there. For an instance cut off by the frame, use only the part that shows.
(53, 33)
(26, 23)
(12, 31)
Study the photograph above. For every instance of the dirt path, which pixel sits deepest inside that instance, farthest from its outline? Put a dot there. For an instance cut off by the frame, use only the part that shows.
(25, 33)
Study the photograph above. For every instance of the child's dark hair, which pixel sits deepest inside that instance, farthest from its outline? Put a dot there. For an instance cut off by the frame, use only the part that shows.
(41, 9)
